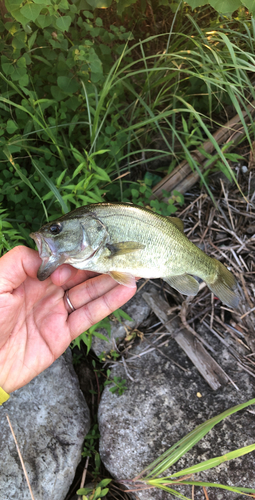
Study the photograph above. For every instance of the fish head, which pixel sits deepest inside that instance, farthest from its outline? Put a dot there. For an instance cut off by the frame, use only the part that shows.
(66, 240)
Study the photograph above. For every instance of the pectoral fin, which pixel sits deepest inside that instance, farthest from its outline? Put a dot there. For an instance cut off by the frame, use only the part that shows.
(184, 283)
(124, 247)
(177, 222)
(123, 278)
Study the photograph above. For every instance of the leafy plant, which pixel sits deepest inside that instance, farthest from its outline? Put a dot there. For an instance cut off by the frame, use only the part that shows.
(90, 443)
(9, 237)
(81, 104)
(141, 194)
(119, 315)
(118, 384)
(87, 336)
(96, 493)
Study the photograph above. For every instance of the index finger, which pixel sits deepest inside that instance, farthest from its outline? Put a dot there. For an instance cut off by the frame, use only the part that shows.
(68, 277)
(96, 310)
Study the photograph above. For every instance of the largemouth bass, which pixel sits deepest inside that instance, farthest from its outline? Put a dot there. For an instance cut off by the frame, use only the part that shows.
(126, 241)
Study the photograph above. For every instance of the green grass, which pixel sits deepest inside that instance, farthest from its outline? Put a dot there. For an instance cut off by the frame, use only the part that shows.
(151, 476)
(176, 95)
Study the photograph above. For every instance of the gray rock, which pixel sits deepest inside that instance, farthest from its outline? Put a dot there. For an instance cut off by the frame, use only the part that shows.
(137, 309)
(162, 406)
(50, 419)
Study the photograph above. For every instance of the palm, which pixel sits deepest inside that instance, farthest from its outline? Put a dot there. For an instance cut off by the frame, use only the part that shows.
(34, 323)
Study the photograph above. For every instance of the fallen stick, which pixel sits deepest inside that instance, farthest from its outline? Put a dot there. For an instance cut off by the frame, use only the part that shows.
(205, 364)
(183, 178)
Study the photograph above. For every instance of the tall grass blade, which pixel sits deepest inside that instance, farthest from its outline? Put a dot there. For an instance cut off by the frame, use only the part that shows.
(171, 456)
(23, 177)
(214, 462)
(52, 187)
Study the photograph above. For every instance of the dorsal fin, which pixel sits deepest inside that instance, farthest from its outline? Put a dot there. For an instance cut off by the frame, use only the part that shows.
(177, 222)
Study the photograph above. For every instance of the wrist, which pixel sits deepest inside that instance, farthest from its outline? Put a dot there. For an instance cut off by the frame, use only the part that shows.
(4, 396)
(6, 386)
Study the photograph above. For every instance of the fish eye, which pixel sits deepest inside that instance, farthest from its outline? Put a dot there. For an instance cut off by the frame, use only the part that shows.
(55, 228)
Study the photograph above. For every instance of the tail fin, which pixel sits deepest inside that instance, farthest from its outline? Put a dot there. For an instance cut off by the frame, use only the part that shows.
(224, 286)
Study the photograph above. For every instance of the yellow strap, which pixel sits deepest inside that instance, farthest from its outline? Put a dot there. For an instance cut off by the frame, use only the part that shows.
(3, 396)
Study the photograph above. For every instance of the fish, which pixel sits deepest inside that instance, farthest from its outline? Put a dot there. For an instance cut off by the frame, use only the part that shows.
(128, 241)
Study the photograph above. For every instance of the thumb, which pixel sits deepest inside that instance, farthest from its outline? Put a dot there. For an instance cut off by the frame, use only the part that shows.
(16, 265)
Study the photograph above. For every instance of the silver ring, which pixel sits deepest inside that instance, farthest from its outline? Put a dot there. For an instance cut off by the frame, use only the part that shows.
(68, 302)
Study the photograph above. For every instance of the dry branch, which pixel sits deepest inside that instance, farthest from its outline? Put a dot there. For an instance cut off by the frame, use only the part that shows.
(206, 365)
(183, 178)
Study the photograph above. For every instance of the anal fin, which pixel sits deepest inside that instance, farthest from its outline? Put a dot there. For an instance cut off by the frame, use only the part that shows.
(183, 283)
(126, 279)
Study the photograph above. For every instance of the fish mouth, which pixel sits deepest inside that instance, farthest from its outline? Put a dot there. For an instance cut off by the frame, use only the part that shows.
(38, 240)
(48, 254)
(42, 244)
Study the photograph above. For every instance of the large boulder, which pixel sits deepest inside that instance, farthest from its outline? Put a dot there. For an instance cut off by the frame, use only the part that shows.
(163, 405)
(50, 419)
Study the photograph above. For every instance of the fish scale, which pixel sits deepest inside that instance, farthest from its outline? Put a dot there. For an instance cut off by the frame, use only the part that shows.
(128, 241)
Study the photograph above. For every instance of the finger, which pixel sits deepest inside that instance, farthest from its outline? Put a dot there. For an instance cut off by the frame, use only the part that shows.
(79, 278)
(63, 274)
(16, 265)
(91, 290)
(68, 277)
(96, 310)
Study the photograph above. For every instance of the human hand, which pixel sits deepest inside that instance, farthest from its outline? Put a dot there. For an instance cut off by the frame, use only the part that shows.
(35, 327)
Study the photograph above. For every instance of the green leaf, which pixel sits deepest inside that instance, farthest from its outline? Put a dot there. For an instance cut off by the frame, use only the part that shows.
(99, 21)
(52, 187)
(100, 336)
(102, 174)
(63, 23)
(67, 84)
(105, 482)
(100, 152)
(60, 178)
(7, 153)
(32, 39)
(84, 491)
(214, 462)
(46, 3)
(31, 11)
(225, 6)
(79, 169)
(12, 5)
(11, 127)
(7, 65)
(104, 492)
(250, 4)
(121, 314)
(63, 5)
(22, 63)
(77, 155)
(196, 3)
(42, 59)
(44, 20)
